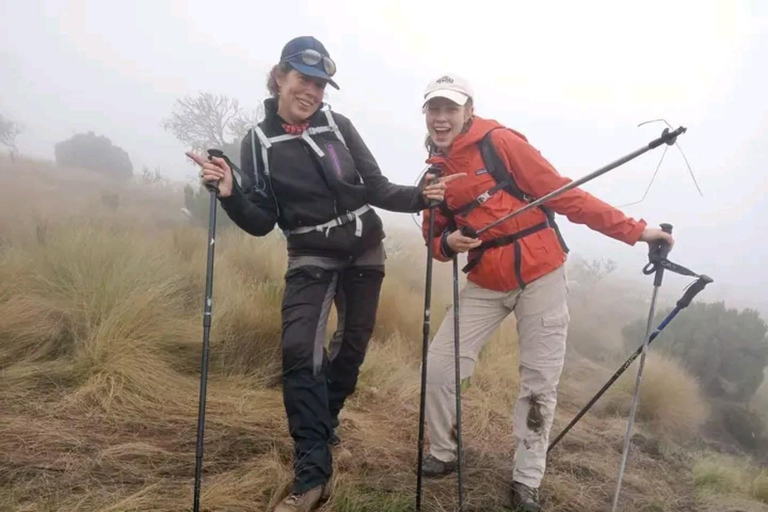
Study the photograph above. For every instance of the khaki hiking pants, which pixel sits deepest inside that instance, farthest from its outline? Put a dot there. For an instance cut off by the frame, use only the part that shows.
(542, 316)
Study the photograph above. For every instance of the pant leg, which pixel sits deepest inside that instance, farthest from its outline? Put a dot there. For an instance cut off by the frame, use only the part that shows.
(307, 301)
(480, 313)
(358, 302)
(542, 324)
(338, 335)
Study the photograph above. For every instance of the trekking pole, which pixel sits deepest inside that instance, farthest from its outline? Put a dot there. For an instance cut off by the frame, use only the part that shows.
(683, 303)
(213, 189)
(457, 366)
(425, 340)
(667, 137)
(659, 251)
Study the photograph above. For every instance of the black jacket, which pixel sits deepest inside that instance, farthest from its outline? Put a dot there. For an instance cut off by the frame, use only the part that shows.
(303, 189)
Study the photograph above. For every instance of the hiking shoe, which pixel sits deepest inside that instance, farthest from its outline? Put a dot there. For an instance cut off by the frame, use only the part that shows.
(524, 498)
(306, 501)
(334, 440)
(434, 467)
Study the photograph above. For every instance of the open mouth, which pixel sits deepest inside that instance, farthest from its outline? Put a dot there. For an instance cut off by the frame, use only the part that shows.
(442, 131)
(304, 103)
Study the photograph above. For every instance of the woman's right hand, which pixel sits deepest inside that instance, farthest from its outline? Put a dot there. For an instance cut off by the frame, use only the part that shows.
(460, 243)
(215, 170)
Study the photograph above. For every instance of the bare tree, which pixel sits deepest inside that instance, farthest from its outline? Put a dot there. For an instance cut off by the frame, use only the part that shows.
(209, 120)
(8, 131)
(243, 122)
(150, 177)
(589, 273)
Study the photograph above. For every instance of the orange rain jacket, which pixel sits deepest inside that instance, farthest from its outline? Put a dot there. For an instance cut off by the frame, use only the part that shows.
(540, 252)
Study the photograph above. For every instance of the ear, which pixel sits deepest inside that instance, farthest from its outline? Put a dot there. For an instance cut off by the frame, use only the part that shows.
(280, 78)
(469, 111)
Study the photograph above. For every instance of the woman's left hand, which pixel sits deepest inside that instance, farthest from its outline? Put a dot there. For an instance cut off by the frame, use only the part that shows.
(435, 189)
(653, 235)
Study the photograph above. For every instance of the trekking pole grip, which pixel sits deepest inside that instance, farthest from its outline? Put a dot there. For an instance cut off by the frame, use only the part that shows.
(693, 291)
(657, 254)
(213, 153)
(664, 247)
(662, 251)
(437, 172)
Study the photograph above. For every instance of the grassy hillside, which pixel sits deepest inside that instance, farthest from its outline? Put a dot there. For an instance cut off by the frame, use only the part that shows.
(100, 337)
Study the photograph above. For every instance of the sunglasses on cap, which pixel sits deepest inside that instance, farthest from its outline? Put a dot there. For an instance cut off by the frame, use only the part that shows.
(312, 58)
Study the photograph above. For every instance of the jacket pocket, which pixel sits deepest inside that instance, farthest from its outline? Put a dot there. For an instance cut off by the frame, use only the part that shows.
(341, 162)
(555, 322)
(304, 280)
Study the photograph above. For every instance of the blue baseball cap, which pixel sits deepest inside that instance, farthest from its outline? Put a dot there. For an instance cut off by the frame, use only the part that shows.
(294, 54)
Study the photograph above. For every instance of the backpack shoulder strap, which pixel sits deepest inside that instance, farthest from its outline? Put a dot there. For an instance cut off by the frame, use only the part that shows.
(334, 126)
(262, 183)
(264, 143)
(496, 168)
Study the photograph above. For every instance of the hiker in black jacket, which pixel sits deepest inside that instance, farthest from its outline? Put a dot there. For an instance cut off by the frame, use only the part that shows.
(308, 170)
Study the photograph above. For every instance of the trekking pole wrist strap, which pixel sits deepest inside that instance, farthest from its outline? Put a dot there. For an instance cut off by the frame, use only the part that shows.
(445, 248)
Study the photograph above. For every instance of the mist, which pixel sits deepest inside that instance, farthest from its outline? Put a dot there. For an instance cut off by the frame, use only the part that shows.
(575, 79)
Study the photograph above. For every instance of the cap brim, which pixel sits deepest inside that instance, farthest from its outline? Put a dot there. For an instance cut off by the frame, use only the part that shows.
(454, 96)
(310, 71)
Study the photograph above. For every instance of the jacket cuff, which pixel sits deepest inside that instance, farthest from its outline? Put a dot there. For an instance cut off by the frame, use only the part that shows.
(422, 203)
(232, 201)
(637, 230)
(444, 247)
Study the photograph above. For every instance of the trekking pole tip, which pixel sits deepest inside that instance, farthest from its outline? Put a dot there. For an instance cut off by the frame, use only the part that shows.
(668, 137)
(672, 136)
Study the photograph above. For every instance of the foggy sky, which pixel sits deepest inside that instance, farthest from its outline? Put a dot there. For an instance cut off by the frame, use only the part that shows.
(575, 77)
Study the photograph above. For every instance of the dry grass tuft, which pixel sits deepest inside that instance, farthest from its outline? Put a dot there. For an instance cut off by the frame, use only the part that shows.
(718, 478)
(720, 474)
(759, 487)
(671, 403)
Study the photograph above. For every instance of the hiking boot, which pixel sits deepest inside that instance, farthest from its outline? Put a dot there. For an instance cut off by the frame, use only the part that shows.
(334, 440)
(524, 498)
(306, 501)
(434, 467)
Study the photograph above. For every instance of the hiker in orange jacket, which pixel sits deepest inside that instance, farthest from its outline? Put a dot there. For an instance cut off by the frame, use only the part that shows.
(517, 266)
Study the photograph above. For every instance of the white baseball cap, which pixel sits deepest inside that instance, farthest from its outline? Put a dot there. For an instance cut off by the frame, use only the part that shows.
(452, 87)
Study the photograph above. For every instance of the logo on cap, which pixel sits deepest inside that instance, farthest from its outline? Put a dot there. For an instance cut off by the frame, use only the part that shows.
(444, 79)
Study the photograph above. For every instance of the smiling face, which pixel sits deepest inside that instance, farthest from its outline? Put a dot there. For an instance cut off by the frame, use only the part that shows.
(300, 96)
(445, 120)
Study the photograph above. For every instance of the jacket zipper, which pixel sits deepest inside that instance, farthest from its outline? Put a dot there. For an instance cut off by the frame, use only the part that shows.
(337, 168)
(334, 158)
(272, 191)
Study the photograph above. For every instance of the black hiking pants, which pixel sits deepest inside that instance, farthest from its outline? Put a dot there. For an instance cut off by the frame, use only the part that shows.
(315, 385)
